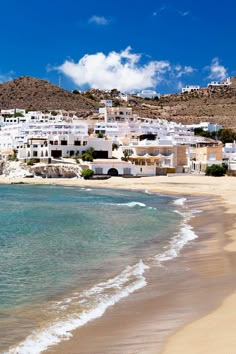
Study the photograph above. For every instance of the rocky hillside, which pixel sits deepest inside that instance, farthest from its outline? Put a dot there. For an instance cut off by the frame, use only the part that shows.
(215, 104)
(35, 94)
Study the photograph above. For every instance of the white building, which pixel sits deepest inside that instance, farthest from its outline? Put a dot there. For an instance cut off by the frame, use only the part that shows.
(190, 88)
(108, 129)
(15, 116)
(112, 167)
(12, 111)
(155, 157)
(206, 126)
(61, 128)
(69, 145)
(107, 103)
(232, 165)
(15, 136)
(117, 129)
(123, 97)
(148, 94)
(226, 82)
(229, 151)
(118, 114)
(11, 137)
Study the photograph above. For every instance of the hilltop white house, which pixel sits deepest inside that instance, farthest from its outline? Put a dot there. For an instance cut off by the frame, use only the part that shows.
(190, 88)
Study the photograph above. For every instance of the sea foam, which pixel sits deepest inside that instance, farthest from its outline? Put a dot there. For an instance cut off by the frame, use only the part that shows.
(132, 204)
(177, 243)
(101, 297)
(147, 191)
(180, 201)
(185, 234)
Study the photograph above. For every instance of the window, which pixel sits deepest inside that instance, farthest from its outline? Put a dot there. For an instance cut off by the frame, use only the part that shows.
(98, 171)
(85, 143)
(63, 142)
(129, 152)
(35, 153)
(77, 142)
(167, 162)
(127, 171)
(212, 157)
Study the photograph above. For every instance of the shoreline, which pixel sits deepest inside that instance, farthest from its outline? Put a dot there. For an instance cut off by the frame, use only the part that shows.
(142, 322)
(189, 337)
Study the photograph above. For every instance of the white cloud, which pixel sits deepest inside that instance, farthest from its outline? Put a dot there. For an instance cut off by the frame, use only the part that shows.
(171, 9)
(180, 70)
(121, 70)
(6, 76)
(99, 20)
(184, 13)
(217, 71)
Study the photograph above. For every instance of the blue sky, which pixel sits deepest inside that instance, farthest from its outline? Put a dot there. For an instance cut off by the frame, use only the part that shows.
(126, 44)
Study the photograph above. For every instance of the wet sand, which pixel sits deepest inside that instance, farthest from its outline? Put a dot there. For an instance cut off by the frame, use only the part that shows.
(192, 296)
(185, 289)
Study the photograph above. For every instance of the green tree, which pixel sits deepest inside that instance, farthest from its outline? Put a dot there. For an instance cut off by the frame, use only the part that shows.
(89, 155)
(87, 173)
(18, 114)
(201, 132)
(226, 135)
(115, 146)
(115, 103)
(89, 95)
(31, 162)
(126, 155)
(100, 135)
(115, 92)
(215, 170)
(13, 157)
(53, 113)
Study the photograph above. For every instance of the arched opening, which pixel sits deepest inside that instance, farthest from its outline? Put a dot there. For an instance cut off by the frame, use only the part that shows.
(112, 172)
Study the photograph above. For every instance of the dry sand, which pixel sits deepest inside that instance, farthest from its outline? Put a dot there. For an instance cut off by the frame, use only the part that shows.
(215, 332)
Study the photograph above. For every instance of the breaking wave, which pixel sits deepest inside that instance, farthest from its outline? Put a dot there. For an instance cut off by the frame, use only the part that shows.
(95, 301)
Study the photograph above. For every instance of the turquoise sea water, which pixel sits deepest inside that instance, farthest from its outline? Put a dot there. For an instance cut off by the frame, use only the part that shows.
(66, 254)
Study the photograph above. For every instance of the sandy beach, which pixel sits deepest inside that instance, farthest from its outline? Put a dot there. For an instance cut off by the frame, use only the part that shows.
(206, 299)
